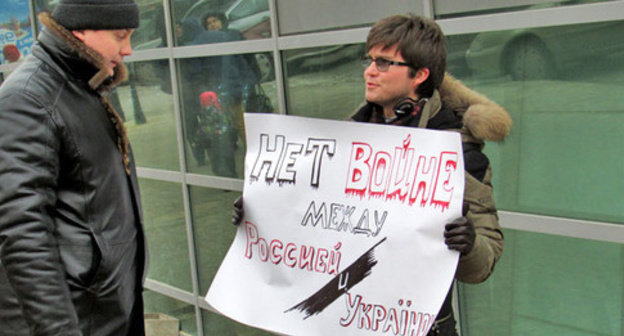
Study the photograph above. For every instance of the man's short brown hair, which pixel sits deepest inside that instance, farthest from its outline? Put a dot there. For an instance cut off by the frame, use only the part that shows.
(419, 40)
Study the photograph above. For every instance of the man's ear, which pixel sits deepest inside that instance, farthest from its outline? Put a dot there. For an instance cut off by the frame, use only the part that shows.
(79, 34)
(421, 76)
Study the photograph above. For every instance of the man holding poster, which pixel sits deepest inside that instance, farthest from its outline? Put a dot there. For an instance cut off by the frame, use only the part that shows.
(406, 85)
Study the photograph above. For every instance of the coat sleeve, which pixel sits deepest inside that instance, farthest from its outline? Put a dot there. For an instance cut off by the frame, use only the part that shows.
(29, 167)
(478, 265)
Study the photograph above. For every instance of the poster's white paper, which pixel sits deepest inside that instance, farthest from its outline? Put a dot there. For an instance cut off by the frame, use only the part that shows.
(343, 228)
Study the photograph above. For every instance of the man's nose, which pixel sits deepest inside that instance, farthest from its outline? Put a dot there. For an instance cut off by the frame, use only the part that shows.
(371, 69)
(126, 50)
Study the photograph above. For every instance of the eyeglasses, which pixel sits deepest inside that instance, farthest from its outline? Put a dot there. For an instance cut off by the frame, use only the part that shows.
(382, 64)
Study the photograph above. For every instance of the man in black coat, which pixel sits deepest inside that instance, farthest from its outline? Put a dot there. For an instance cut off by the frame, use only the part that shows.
(72, 247)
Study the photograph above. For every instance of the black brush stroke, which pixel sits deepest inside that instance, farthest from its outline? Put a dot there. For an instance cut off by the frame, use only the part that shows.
(355, 273)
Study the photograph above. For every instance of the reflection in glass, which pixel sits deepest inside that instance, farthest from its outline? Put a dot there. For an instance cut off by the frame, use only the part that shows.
(324, 82)
(456, 46)
(237, 19)
(558, 95)
(451, 8)
(214, 232)
(545, 52)
(156, 303)
(215, 91)
(145, 104)
(165, 230)
(151, 32)
(16, 34)
(548, 285)
(215, 324)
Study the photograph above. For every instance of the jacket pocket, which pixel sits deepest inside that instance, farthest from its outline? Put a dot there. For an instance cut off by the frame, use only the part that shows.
(81, 262)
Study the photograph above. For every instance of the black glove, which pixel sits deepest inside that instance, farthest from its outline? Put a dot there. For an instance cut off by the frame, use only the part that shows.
(460, 234)
(237, 211)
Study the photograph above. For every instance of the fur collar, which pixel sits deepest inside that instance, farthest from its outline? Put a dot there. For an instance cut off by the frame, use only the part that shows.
(101, 80)
(482, 117)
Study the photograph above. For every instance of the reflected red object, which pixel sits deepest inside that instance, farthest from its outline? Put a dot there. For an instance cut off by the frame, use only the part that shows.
(11, 53)
(209, 98)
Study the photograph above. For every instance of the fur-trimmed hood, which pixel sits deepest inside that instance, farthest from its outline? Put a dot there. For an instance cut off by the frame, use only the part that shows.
(482, 117)
(100, 80)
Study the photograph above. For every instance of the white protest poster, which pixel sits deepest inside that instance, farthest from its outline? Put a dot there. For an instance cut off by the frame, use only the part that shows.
(343, 228)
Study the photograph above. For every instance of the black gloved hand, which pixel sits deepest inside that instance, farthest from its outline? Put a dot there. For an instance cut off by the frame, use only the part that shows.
(237, 211)
(460, 234)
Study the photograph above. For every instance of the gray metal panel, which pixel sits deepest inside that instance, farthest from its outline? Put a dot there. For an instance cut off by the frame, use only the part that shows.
(567, 227)
(443, 7)
(299, 16)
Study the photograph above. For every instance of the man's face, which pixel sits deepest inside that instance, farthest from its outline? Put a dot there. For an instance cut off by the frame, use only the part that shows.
(387, 87)
(112, 45)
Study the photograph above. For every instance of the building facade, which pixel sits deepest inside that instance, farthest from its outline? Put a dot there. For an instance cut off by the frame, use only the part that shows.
(556, 66)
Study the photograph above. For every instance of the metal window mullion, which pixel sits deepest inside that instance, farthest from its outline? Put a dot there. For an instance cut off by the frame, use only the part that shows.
(223, 48)
(428, 10)
(169, 291)
(567, 227)
(182, 164)
(277, 59)
(588, 13)
(160, 175)
(33, 18)
(214, 182)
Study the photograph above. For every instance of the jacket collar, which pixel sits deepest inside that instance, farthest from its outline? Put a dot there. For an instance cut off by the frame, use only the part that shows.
(76, 58)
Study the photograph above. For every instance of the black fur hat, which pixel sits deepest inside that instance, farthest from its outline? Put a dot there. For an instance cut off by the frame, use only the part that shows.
(97, 14)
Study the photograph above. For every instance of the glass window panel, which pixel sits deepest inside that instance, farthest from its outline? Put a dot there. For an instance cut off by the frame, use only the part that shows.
(43, 6)
(457, 8)
(303, 16)
(215, 91)
(548, 285)
(156, 303)
(456, 46)
(563, 157)
(215, 324)
(214, 232)
(16, 35)
(324, 82)
(165, 230)
(146, 105)
(151, 32)
(210, 21)
(212, 222)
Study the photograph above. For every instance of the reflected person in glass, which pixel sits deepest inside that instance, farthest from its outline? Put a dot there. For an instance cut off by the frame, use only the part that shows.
(214, 122)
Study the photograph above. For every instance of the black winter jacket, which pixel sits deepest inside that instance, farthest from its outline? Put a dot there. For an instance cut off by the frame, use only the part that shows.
(71, 238)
